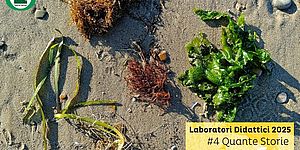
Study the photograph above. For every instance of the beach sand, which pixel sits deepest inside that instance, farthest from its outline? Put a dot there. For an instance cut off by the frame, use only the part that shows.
(103, 69)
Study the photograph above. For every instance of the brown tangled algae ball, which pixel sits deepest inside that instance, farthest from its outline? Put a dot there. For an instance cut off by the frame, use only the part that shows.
(95, 17)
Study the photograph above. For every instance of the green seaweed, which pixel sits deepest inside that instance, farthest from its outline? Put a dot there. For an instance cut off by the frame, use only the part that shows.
(223, 76)
(95, 102)
(210, 15)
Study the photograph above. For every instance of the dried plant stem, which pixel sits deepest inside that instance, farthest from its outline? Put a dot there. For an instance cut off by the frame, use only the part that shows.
(97, 124)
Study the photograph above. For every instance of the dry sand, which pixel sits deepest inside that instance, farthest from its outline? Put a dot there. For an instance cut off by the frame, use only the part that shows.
(26, 38)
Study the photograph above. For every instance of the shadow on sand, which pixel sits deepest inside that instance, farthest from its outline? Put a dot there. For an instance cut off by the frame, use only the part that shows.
(260, 104)
(291, 10)
(138, 24)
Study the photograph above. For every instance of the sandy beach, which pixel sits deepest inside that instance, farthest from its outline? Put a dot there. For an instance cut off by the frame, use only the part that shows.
(169, 24)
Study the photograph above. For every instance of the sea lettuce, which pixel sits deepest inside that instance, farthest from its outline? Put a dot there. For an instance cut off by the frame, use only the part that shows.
(223, 76)
(210, 15)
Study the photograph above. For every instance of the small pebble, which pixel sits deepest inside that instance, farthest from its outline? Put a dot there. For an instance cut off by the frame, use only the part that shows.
(240, 7)
(174, 147)
(195, 104)
(282, 4)
(133, 99)
(2, 43)
(149, 107)
(22, 147)
(129, 110)
(282, 98)
(40, 13)
(163, 55)
(63, 96)
(135, 145)
(156, 51)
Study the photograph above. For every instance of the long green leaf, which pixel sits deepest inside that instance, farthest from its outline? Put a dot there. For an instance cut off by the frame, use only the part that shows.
(44, 124)
(56, 74)
(43, 71)
(52, 51)
(38, 84)
(95, 102)
(42, 74)
(35, 94)
(72, 101)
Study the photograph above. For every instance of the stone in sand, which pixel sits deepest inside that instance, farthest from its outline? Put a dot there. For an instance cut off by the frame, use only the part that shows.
(174, 147)
(163, 55)
(40, 13)
(282, 4)
(2, 43)
(63, 96)
(129, 110)
(134, 99)
(195, 104)
(282, 98)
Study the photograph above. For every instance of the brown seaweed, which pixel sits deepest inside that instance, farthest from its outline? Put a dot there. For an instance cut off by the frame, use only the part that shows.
(95, 17)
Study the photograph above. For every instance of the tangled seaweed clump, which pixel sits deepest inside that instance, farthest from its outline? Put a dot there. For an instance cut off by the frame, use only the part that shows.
(148, 80)
(95, 17)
